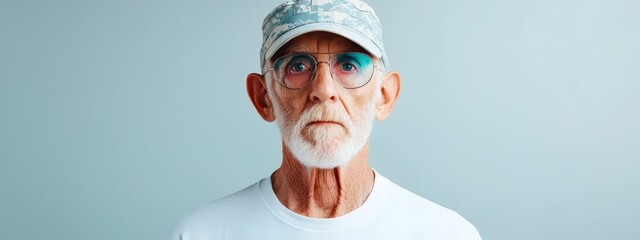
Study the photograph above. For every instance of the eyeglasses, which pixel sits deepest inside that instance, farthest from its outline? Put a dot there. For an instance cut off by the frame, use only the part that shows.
(297, 70)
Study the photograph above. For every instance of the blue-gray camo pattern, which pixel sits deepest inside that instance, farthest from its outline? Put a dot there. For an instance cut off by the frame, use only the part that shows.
(355, 14)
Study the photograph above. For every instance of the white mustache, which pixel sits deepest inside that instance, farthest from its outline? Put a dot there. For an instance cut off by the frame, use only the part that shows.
(324, 113)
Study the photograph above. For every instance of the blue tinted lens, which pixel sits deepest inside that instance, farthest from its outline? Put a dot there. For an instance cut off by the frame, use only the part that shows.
(359, 60)
(353, 69)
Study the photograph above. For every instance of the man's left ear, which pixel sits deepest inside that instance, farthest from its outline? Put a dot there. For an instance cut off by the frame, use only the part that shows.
(389, 89)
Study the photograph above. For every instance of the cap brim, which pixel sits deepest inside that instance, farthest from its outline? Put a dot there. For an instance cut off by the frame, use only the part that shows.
(341, 30)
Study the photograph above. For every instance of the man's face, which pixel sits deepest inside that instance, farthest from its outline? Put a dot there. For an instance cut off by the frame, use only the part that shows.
(323, 124)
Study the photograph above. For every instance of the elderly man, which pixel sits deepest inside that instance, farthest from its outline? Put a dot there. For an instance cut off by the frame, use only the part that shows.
(324, 80)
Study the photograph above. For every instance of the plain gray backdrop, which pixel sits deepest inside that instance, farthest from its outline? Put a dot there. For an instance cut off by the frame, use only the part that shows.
(119, 117)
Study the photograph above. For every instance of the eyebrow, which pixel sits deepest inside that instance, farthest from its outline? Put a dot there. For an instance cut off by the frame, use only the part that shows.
(286, 49)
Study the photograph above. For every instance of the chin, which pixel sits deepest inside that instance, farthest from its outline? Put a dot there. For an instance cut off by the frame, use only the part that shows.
(324, 151)
(321, 156)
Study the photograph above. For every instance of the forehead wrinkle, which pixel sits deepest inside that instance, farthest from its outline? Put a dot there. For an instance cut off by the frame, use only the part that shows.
(296, 49)
(319, 42)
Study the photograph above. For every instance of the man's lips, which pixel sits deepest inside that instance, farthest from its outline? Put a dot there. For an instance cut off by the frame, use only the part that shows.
(323, 122)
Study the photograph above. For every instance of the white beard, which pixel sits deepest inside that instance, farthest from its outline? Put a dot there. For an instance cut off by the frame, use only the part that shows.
(330, 145)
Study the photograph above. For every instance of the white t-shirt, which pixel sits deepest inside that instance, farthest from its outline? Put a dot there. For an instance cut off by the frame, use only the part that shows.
(390, 212)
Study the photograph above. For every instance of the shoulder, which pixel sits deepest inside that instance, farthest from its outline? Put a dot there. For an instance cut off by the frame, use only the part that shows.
(424, 215)
(214, 218)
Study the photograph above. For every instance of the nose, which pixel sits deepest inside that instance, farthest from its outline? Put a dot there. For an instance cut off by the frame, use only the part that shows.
(323, 87)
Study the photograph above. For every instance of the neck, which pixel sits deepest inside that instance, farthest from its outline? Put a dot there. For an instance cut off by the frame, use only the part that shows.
(323, 193)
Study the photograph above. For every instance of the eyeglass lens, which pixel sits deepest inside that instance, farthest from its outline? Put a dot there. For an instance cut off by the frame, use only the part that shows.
(351, 69)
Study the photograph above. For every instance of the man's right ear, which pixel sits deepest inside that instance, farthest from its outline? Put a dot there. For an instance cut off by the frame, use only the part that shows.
(257, 90)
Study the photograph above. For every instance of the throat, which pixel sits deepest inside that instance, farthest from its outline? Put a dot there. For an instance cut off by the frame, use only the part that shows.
(323, 193)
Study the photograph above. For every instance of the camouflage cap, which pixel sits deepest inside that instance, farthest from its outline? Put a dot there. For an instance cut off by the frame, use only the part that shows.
(352, 19)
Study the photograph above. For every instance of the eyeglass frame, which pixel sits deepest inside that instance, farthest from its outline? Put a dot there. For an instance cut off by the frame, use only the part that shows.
(376, 66)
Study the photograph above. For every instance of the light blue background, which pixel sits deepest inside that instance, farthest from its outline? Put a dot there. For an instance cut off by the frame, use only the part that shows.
(119, 117)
